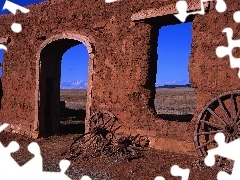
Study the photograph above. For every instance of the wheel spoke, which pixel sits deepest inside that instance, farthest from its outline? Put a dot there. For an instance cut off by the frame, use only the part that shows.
(211, 124)
(209, 132)
(79, 138)
(232, 107)
(109, 119)
(115, 128)
(92, 141)
(230, 139)
(97, 119)
(94, 135)
(205, 144)
(236, 119)
(238, 122)
(214, 114)
(220, 115)
(227, 139)
(223, 109)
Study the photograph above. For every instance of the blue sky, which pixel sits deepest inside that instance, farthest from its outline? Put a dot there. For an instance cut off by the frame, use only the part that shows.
(174, 44)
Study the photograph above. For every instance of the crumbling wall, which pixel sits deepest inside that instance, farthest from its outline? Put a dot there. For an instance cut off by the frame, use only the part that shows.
(211, 75)
(123, 64)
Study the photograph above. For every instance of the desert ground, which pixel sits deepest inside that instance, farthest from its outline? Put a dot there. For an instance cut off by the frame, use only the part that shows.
(167, 101)
(176, 101)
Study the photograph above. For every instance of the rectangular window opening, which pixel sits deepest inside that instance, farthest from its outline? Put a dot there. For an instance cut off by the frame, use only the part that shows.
(175, 98)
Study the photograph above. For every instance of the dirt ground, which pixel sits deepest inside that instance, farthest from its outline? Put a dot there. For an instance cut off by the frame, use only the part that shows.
(154, 163)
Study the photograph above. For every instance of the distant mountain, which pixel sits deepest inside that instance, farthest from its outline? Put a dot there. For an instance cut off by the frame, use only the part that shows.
(81, 84)
(174, 86)
(172, 83)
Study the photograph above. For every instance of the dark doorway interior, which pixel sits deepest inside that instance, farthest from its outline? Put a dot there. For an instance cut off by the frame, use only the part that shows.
(49, 106)
(51, 113)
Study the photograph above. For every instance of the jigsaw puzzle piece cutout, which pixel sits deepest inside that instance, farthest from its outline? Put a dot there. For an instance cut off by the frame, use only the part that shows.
(33, 169)
(223, 176)
(177, 171)
(54, 175)
(5, 154)
(210, 158)
(235, 173)
(220, 6)
(236, 16)
(12, 7)
(159, 178)
(222, 51)
(85, 178)
(63, 164)
(9, 165)
(16, 27)
(227, 150)
(182, 7)
(2, 46)
(3, 42)
(4, 125)
(111, 1)
(34, 165)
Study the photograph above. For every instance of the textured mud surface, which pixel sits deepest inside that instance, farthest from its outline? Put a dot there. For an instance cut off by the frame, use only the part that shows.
(122, 60)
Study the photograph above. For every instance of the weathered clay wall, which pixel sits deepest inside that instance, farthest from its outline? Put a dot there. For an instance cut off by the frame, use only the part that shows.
(107, 30)
(123, 63)
(210, 75)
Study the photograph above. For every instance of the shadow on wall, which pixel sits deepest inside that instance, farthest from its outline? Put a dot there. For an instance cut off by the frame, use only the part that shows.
(176, 117)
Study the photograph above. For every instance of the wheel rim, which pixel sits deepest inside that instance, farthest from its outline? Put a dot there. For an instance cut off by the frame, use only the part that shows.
(103, 125)
(104, 120)
(221, 114)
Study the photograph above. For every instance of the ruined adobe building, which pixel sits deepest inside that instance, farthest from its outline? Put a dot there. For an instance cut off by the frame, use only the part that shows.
(121, 39)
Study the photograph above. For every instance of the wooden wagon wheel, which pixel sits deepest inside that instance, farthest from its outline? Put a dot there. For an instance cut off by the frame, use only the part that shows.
(103, 124)
(81, 144)
(221, 114)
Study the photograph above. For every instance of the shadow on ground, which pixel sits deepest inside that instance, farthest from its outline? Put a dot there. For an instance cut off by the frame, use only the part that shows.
(72, 121)
(72, 128)
(74, 114)
(176, 117)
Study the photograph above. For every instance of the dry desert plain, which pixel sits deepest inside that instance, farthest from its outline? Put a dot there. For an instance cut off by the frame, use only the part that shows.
(175, 101)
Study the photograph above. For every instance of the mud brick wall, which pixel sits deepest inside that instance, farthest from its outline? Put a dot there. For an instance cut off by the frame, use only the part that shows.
(122, 64)
(211, 75)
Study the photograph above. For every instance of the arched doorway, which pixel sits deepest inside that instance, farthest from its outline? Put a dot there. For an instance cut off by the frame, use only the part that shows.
(73, 90)
(48, 81)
